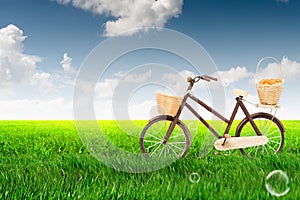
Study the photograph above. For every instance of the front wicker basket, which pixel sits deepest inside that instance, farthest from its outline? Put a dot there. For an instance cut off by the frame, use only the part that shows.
(167, 104)
(269, 94)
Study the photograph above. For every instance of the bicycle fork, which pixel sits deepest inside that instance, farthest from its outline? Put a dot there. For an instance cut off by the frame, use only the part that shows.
(176, 118)
(170, 130)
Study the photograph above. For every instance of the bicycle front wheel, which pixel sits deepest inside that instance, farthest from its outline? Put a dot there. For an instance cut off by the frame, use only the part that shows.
(152, 137)
(269, 126)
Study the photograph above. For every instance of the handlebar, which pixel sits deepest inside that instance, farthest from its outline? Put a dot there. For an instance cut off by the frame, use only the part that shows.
(198, 78)
(210, 77)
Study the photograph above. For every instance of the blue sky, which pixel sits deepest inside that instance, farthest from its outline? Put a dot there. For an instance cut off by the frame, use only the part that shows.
(235, 33)
(250, 29)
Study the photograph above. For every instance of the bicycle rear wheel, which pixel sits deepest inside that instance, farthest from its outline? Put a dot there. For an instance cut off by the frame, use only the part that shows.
(152, 137)
(269, 126)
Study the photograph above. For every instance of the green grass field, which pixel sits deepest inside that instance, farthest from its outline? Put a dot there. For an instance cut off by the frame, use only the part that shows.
(47, 160)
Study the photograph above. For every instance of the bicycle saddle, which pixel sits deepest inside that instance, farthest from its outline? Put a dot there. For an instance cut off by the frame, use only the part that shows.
(240, 92)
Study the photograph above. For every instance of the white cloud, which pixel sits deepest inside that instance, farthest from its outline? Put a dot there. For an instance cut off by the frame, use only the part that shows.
(137, 78)
(66, 63)
(177, 82)
(43, 81)
(130, 14)
(234, 74)
(104, 109)
(290, 70)
(282, 1)
(57, 108)
(16, 67)
(11, 39)
(64, 2)
(106, 88)
(144, 110)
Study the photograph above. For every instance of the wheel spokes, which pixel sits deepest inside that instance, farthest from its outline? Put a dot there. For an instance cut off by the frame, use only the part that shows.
(175, 136)
(155, 149)
(153, 145)
(256, 150)
(153, 142)
(174, 151)
(274, 137)
(251, 150)
(271, 148)
(175, 146)
(153, 136)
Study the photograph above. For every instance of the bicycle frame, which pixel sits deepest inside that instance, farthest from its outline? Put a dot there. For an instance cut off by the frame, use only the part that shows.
(239, 104)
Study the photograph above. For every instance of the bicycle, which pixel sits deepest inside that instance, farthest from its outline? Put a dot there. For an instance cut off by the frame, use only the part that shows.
(257, 133)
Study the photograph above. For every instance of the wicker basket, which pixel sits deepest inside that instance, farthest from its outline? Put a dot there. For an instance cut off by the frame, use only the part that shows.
(269, 94)
(167, 104)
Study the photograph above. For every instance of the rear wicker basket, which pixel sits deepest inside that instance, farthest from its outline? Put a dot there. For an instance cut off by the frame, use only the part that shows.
(167, 104)
(269, 94)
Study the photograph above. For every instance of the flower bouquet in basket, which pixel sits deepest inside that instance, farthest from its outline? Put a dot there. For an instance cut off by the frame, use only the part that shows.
(269, 89)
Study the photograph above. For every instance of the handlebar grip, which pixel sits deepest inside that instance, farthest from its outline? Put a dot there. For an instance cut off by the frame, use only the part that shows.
(210, 77)
(205, 78)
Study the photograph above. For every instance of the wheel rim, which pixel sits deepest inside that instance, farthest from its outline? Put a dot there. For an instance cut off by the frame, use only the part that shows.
(268, 128)
(153, 141)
